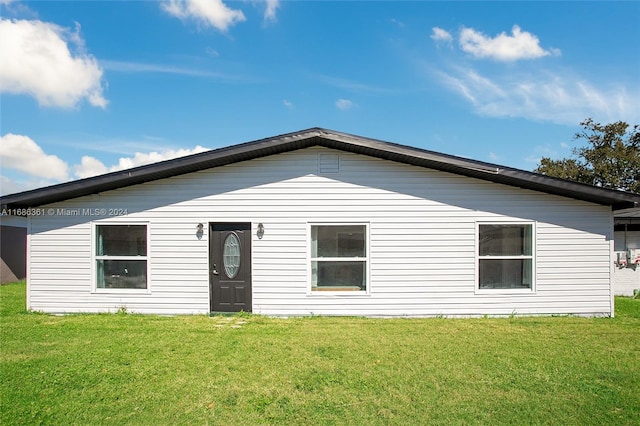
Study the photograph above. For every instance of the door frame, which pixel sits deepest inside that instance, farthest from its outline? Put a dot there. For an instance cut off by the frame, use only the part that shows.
(232, 226)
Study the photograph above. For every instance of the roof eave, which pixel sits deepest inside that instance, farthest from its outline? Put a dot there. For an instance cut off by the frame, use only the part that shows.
(485, 171)
(147, 173)
(327, 138)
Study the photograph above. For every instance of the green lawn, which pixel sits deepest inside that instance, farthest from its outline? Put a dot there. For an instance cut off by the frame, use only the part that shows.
(195, 370)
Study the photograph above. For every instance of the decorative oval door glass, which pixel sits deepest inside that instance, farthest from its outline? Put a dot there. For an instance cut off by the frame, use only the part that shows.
(231, 255)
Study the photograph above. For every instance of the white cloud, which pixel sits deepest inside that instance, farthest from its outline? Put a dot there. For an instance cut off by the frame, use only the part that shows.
(344, 104)
(135, 67)
(10, 186)
(350, 85)
(559, 95)
(140, 158)
(397, 22)
(36, 60)
(91, 166)
(473, 86)
(34, 168)
(287, 103)
(17, 8)
(564, 99)
(503, 47)
(540, 151)
(21, 153)
(438, 34)
(209, 12)
(212, 52)
(270, 10)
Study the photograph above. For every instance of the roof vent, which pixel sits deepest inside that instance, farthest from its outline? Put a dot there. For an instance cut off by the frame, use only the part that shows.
(328, 163)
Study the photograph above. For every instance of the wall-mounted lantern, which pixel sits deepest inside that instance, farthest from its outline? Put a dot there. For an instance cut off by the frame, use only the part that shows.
(200, 231)
(260, 232)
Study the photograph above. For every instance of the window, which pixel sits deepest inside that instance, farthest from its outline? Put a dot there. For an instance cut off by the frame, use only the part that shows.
(121, 256)
(626, 236)
(505, 256)
(231, 255)
(338, 258)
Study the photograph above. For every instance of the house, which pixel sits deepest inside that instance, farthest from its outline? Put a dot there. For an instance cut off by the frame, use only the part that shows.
(626, 276)
(13, 248)
(326, 223)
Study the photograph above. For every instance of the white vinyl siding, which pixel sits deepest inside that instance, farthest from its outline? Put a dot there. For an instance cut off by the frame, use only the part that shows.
(421, 241)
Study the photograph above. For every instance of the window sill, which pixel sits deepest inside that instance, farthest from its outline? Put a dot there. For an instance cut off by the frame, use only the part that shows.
(121, 291)
(337, 288)
(505, 291)
(338, 291)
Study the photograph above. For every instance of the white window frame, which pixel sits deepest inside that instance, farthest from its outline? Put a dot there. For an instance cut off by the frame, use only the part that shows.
(533, 258)
(95, 258)
(310, 260)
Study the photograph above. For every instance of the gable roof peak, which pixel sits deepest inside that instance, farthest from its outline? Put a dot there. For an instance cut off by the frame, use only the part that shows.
(315, 136)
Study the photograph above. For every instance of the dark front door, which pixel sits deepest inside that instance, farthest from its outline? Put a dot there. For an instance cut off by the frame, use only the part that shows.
(230, 267)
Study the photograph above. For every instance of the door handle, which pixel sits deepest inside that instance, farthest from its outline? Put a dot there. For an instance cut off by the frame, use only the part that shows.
(214, 271)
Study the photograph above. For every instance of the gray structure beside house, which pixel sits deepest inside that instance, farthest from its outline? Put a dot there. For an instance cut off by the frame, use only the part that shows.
(13, 248)
(326, 223)
(626, 277)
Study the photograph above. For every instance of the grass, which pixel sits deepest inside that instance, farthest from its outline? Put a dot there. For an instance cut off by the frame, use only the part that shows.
(133, 369)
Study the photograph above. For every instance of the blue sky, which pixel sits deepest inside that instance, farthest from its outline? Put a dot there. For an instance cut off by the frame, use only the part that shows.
(95, 86)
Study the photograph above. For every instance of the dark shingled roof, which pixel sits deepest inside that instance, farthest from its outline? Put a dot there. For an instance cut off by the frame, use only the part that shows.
(330, 139)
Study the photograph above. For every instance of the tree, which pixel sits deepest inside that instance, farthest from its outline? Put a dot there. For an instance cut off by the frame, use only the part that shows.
(610, 160)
